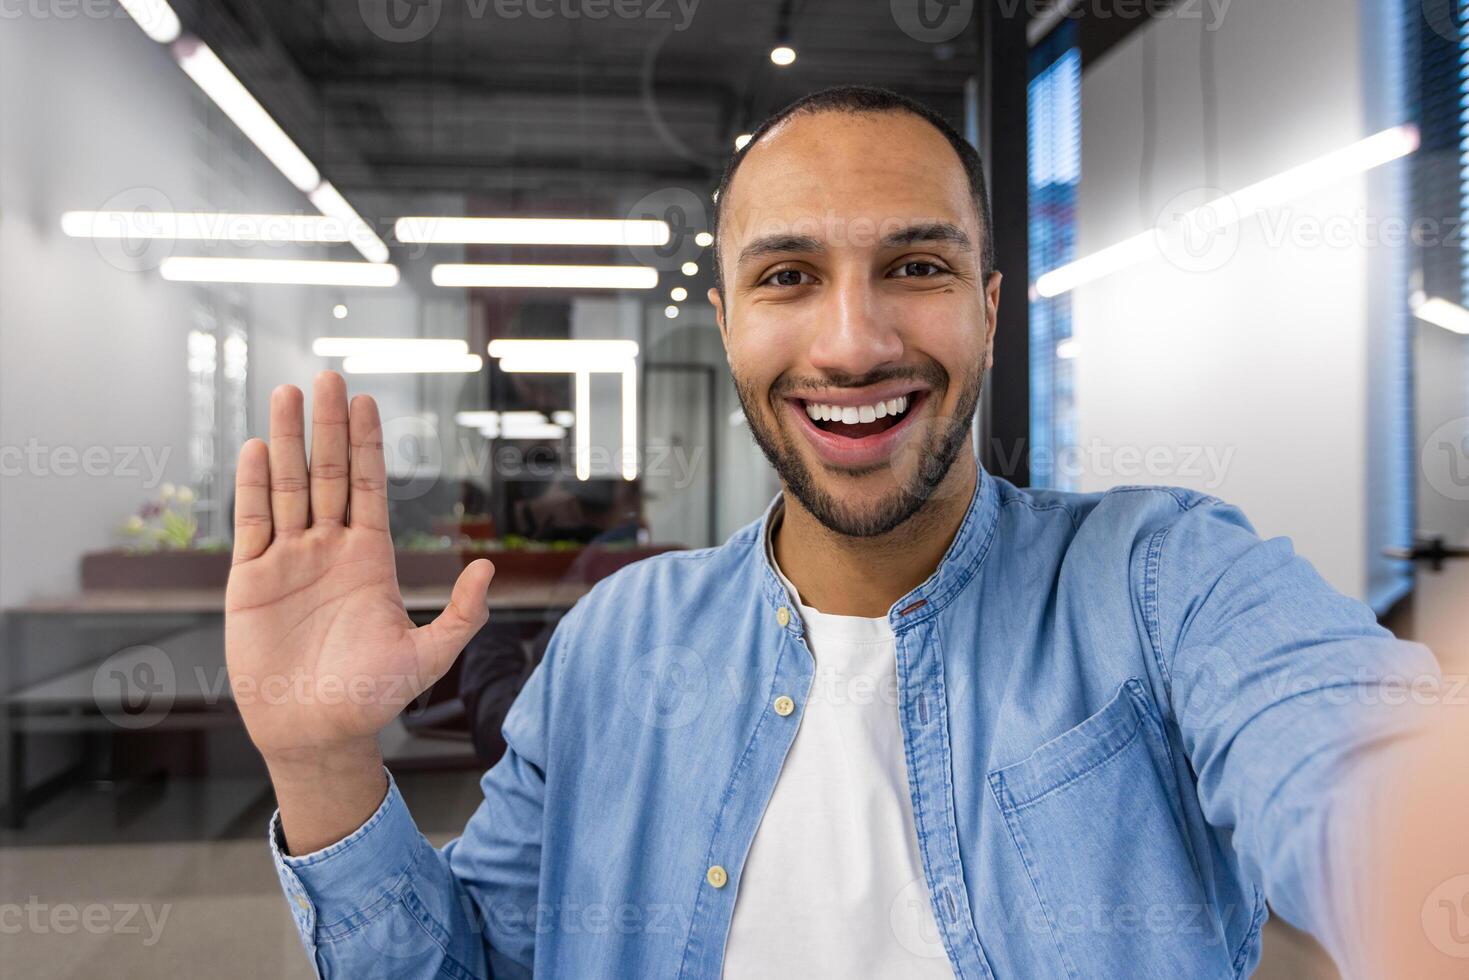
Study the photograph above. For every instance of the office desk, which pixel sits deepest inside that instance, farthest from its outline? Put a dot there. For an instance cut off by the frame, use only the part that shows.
(176, 680)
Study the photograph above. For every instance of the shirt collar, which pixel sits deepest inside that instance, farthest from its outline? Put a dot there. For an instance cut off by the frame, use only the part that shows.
(962, 560)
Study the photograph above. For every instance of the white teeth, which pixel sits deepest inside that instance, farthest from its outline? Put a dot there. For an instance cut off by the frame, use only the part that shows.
(853, 415)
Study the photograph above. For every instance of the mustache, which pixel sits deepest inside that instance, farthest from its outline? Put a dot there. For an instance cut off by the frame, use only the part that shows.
(926, 375)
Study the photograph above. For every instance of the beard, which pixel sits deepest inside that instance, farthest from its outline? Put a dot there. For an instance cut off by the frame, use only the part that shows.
(932, 452)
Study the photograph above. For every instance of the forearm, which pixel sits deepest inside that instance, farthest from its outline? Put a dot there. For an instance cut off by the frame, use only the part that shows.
(1420, 868)
(326, 794)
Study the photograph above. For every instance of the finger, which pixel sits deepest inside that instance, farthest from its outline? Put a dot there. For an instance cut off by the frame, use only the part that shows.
(440, 641)
(252, 501)
(369, 495)
(328, 449)
(289, 503)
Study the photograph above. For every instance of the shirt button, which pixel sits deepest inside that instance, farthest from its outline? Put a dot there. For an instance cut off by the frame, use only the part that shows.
(301, 901)
(784, 706)
(717, 876)
(783, 616)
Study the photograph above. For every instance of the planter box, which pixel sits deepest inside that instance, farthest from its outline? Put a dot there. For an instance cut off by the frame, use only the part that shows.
(416, 569)
(156, 569)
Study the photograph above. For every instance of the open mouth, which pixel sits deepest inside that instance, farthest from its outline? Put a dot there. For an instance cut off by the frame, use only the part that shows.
(861, 421)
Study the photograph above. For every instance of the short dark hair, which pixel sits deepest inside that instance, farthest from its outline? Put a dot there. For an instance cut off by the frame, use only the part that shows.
(866, 99)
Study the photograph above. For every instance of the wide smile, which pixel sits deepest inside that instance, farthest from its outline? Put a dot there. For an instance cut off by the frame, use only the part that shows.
(856, 430)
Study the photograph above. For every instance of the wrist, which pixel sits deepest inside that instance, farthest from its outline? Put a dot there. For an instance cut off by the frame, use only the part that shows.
(325, 795)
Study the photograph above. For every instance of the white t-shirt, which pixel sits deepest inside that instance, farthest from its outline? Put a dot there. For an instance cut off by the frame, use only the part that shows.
(833, 885)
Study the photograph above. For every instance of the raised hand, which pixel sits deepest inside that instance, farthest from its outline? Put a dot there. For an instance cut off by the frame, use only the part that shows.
(321, 654)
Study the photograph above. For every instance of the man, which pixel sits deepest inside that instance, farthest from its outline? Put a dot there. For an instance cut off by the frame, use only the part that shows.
(914, 722)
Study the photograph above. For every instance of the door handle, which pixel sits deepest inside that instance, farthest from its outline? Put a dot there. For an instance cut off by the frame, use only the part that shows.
(1432, 550)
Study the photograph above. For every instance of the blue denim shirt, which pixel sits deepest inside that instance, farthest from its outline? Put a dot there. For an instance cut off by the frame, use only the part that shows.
(1127, 721)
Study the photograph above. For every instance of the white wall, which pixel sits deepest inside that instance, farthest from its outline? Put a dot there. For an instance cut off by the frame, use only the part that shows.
(94, 115)
(1259, 365)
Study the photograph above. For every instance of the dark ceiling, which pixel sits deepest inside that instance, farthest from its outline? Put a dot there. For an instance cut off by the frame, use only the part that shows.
(541, 103)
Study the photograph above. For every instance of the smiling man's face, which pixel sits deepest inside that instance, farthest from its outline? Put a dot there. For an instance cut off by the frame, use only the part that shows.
(855, 316)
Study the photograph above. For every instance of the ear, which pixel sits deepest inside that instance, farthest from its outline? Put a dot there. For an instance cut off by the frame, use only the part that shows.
(717, 301)
(991, 317)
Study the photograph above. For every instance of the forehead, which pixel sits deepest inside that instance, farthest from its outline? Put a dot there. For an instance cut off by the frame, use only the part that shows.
(837, 175)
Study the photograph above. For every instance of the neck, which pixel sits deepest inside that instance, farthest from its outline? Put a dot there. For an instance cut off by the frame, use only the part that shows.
(849, 576)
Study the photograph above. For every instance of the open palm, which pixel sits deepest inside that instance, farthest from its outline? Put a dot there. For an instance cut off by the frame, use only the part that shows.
(320, 650)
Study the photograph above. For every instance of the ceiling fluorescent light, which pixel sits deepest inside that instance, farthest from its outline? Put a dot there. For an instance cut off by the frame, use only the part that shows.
(387, 347)
(304, 229)
(562, 356)
(155, 17)
(292, 272)
(511, 425)
(459, 364)
(329, 201)
(1359, 157)
(546, 276)
(234, 100)
(582, 358)
(1138, 248)
(530, 231)
(1442, 313)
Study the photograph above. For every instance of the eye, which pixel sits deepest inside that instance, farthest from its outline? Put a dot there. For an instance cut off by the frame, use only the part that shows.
(784, 277)
(918, 269)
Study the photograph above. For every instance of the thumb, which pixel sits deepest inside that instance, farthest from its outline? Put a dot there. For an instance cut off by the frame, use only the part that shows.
(439, 642)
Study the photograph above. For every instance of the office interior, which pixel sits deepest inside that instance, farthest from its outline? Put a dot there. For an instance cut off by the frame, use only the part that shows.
(1232, 236)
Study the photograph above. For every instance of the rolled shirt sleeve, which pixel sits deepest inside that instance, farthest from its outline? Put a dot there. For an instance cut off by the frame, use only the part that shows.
(381, 901)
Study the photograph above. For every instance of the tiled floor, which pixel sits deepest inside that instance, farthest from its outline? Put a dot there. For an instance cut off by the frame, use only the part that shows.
(156, 903)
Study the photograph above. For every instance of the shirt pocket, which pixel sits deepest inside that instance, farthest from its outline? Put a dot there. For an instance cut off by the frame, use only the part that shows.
(1095, 816)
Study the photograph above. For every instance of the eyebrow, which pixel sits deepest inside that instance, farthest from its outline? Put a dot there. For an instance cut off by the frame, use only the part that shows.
(773, 244)
(934, 231)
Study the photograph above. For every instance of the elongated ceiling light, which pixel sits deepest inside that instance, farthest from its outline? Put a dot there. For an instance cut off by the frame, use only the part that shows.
(530, 231)
(1359, 157)
(329, 201)
(511, 425)
(375, 347)
(582, 358)
(546, 276)
(292, 272)
(1441, 313)
(155, 17)
(457, 364)
(204, 226)
(201, 64)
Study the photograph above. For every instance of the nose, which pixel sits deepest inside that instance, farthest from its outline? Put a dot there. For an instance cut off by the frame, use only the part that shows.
(853, 335)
